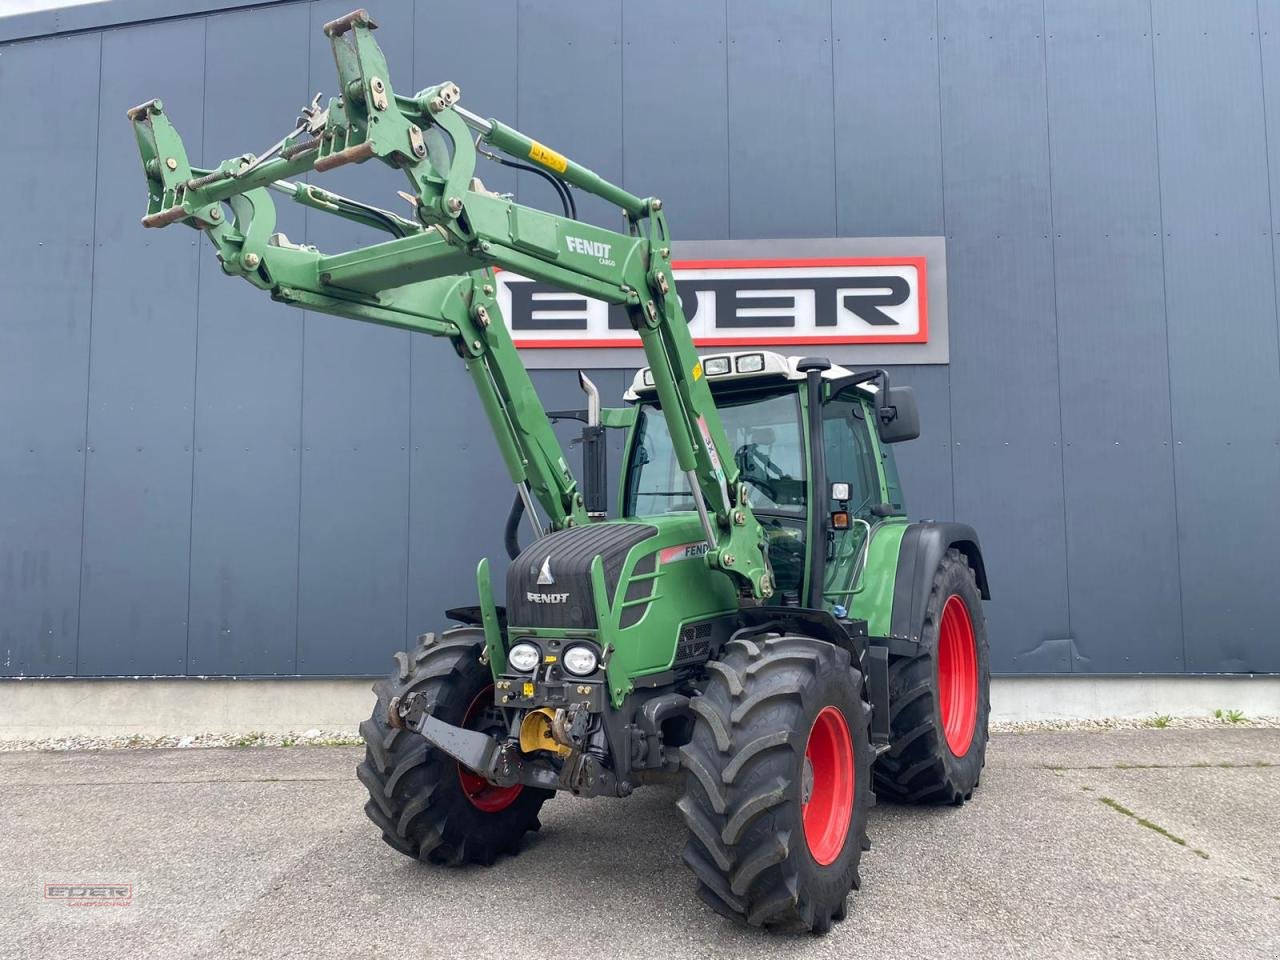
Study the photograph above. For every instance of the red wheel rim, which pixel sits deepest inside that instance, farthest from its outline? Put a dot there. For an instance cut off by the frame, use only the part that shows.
(484, 795)
(827, 798)
(957, 676)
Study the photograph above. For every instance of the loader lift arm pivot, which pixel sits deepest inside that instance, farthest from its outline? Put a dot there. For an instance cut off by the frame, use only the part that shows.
(435, 275)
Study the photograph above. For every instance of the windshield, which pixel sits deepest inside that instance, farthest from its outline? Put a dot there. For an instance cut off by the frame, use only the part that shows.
(764, 434)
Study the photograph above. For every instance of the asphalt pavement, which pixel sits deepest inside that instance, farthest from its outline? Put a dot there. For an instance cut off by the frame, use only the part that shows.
(1153, 843)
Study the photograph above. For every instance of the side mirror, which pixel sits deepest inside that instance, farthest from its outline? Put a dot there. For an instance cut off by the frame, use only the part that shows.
(899, 418)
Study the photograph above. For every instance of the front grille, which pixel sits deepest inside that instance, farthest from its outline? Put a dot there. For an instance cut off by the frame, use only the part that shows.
(566, 555)
(694, 645)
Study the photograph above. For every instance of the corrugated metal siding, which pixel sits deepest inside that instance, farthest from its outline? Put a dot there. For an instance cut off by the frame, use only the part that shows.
(194, 480)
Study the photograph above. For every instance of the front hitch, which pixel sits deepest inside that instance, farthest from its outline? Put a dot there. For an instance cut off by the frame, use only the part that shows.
(499, 762)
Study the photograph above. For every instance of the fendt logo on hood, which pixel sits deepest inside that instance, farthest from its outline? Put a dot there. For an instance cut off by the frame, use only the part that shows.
(739, 303)
(545, 578)
(544, 575)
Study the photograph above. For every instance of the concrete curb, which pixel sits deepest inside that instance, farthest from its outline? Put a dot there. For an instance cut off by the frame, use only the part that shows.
(38, 709)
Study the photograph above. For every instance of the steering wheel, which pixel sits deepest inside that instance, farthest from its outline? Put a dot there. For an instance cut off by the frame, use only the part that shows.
(749, 457)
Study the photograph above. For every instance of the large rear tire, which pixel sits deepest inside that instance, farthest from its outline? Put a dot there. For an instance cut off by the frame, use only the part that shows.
(939, 700)
(425, 803)
(778, 782)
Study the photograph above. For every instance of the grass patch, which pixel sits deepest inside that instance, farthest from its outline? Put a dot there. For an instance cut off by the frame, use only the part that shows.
(1143, 821)
(1229, 716)
(1159, 721)
(250, 740)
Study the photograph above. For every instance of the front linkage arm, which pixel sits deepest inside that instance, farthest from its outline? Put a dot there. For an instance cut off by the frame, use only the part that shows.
(436, 273)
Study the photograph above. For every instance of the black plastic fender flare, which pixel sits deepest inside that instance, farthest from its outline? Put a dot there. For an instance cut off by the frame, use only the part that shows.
(923, 546)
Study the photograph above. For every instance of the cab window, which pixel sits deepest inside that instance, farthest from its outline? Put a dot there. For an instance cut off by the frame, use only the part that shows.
(849, 454)
(768, 448)
(764, 434)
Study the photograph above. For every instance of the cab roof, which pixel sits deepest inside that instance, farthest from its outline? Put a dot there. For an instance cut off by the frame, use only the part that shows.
(735, 367)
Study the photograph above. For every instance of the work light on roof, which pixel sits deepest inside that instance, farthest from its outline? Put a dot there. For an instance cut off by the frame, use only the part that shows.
(716, 366)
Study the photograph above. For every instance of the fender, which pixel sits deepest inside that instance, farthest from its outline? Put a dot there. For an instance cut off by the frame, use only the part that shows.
(923, 546)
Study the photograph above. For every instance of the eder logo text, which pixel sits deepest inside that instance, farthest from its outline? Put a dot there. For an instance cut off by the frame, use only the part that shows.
(732, 303)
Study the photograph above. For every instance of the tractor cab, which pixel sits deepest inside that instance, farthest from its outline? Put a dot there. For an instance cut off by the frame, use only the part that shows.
(811, 441)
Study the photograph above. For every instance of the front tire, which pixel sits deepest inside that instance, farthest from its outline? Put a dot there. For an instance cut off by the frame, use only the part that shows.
(778, 782)
(939, 700)
(427, 805)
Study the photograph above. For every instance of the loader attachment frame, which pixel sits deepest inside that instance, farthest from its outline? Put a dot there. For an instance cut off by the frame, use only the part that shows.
(435, 274)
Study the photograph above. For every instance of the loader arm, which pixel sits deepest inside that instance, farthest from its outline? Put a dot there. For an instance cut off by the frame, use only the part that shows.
(435, 274)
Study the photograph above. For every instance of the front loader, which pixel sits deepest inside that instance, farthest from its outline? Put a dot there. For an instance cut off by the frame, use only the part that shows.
(759, 618)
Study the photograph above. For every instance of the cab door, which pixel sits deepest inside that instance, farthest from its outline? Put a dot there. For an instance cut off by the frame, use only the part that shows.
(851, 457)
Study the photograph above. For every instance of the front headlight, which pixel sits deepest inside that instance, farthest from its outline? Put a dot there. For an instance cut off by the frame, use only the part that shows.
(580, 661)
(523, 657)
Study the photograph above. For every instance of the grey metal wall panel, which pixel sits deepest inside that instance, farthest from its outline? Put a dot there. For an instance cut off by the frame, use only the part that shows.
(674, 90)
(460, 492)
(1122, 544)
(888, 135)
(924, 464)
(1227, 463)
(352, 567)
(133, 613)
(1122, 531)
(1220, 270)
(1228, 529)
(994, 123)
(244, 513)
(781, 144)
(46, 261)
(1004, 389)
(445, 36)
(569, 60)
(106, 13)
(1126, 614)
(1007, 456)
(1213, 151)
(1269, 44)
(355, 496)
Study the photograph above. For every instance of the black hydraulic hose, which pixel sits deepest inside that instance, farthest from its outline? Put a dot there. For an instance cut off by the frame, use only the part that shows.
(510, 536)
(561, 188)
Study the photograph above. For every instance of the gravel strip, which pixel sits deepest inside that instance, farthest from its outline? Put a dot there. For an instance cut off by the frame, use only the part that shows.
(1158, 722)
(310, 738)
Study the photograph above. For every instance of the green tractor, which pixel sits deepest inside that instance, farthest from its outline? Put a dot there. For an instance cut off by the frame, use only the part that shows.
(760, 618)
